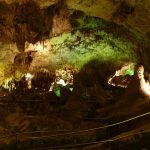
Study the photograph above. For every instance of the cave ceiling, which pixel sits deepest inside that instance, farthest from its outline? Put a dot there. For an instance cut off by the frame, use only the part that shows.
(135, 13)
(24, 20)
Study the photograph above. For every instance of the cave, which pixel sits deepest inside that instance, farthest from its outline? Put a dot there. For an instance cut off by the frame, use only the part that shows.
(74, 74)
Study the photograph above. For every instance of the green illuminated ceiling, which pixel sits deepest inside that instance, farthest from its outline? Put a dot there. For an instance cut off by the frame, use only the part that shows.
(92, 39)
(79, 48)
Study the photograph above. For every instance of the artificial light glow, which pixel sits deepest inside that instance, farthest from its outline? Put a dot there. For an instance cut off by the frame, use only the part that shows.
(71, 89)
(39, 47)
(121, 78)
(146, 88)
(123, 81)
(144, 85)
(29, 76)
(57, 92)
(52, 86)
(61, 82)
(129, 72)
(8, 84)
(64, 77)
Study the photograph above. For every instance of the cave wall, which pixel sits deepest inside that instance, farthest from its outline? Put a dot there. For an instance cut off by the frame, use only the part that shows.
(135, 13)
(22, 21)
(35, 21)
(25, 20)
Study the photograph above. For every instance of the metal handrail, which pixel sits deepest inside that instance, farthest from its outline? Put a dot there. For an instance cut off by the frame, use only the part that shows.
(80, 131)
(93, 129)
(16, 135)
(92, 143)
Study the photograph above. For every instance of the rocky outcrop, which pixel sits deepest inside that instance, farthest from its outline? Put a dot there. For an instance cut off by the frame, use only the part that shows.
(134, 100)
(22, 21)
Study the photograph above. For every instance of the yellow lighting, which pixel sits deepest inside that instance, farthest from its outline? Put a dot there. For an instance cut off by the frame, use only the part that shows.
(39, 47)
(29, 76)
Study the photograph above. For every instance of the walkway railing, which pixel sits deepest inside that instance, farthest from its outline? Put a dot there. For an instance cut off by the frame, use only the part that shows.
(92, 143)
(17, 136)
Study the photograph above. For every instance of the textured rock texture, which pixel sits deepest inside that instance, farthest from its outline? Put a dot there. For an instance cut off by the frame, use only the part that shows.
(35, 21)
(135, 13)
(34, 18)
